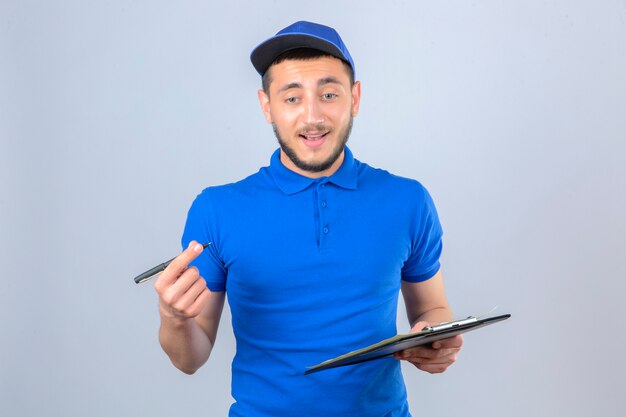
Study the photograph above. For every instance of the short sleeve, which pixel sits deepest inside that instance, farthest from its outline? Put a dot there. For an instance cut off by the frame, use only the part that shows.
(426, 245)
(198, 228)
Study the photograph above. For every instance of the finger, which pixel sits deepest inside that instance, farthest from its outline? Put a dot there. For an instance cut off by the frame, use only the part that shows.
(173, 293)
(433, 369)
(192, 307)
(184, 281)
(440, 354)
(451, 342)
(180, 263)
(190, 296)
(417, 352)
(200, 302)
(426, 353)
(445, 360)
(435, 362)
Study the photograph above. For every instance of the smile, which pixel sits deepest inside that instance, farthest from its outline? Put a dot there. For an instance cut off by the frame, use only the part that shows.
(313, 136)
(314, 139)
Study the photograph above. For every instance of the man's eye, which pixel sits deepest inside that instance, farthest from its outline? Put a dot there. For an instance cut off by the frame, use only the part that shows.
(292, 100)
(329, 96)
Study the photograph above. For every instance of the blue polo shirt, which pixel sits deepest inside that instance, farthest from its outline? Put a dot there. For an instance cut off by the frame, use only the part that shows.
(312, 269)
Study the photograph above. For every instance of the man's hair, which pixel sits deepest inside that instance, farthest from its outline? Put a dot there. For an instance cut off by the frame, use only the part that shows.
(301, 54)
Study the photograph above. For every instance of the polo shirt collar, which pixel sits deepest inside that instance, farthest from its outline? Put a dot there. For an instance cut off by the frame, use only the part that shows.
(290, 182)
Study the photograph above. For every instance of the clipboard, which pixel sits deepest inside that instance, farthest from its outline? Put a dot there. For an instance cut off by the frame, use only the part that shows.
(400, 342)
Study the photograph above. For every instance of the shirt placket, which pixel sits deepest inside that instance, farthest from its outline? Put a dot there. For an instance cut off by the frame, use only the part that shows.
(321, 221)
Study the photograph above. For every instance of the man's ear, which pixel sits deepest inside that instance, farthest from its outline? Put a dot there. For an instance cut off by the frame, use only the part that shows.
(356, 97)
(264, 101)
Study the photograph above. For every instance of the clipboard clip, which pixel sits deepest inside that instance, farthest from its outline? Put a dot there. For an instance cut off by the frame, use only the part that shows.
(448, 325)
(457, 323)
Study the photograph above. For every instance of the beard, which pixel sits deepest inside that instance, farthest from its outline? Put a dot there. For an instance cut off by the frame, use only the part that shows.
(319, 166)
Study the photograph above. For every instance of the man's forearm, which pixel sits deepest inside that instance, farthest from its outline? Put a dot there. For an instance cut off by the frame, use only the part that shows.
(434, 316)
(426, 301)
(184, 341)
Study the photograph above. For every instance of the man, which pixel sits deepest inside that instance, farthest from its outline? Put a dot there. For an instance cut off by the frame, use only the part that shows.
(312, 252)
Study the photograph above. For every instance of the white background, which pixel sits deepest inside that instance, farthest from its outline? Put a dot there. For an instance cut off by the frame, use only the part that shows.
(114, 115)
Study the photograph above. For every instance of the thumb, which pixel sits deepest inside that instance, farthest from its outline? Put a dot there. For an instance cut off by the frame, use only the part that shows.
(417, 327)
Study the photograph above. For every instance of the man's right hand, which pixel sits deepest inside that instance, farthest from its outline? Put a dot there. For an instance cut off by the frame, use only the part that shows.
(182, 291)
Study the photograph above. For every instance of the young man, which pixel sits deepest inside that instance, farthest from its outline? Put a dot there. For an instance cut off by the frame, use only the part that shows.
(312, 252)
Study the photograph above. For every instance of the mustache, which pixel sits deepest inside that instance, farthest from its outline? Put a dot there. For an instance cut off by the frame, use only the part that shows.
(317, 127)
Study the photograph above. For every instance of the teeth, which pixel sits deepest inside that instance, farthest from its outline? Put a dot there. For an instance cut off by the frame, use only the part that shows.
(313, 137)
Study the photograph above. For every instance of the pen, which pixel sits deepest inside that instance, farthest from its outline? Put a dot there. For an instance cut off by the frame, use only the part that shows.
(157, 269)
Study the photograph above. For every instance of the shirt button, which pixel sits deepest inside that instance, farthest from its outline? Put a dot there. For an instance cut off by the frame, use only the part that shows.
(324, 204)
(326, 229)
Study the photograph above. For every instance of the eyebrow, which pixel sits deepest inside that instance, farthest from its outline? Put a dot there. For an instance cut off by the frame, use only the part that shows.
(328, 80)
(289, 86)
(321, 82)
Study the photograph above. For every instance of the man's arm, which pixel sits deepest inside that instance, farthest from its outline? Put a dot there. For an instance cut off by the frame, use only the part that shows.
(190, 312)
(426, 304)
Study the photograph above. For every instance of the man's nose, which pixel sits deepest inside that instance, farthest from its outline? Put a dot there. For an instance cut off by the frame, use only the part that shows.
(313, 113)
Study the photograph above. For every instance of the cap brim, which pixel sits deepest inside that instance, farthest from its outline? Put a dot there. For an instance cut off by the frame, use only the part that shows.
(263, 55)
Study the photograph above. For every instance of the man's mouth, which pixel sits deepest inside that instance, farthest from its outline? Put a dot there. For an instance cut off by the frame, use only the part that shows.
(313, 135)
(313, 139)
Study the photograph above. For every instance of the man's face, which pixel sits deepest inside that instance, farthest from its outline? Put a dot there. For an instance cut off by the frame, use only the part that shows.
(311, 105)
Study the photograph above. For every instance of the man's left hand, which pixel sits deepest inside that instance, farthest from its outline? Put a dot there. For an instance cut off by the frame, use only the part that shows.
(435, 357)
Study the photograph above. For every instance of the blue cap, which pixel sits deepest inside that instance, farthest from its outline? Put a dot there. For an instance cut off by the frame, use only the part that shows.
(300, 35)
